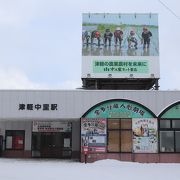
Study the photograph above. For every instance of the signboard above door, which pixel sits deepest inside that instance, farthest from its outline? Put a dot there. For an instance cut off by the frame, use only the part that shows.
(51, 126)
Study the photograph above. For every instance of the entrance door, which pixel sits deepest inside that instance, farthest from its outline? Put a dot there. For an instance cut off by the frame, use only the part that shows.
(54, 144)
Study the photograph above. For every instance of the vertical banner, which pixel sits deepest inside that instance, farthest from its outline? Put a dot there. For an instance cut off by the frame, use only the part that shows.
(93, 134)
(145, 138)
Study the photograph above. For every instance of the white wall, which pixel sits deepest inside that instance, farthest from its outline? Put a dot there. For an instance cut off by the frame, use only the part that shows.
(72, 104)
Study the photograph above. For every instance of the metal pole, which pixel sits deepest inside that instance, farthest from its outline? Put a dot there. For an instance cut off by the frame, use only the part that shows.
(85, 156)
(156, 85)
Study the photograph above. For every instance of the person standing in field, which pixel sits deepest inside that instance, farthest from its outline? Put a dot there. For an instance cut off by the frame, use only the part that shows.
(85, 37)
(118, 36)
(107, 37)
(132, 40)
(146, 34)
(95, 35)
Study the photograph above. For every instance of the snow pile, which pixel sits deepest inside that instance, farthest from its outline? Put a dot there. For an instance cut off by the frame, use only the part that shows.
(14, 169)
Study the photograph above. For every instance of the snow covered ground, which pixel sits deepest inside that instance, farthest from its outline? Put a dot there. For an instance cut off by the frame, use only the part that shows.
(15, 169)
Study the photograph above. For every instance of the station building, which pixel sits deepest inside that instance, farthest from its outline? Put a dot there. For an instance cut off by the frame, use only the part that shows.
(131, 125)
(119, 113)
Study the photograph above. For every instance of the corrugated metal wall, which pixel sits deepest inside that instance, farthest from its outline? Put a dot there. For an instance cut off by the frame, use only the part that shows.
(72, 104)
(15, 125)
(27, 127)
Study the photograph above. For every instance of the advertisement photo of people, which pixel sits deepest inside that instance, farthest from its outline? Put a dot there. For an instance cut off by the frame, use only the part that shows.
(106, 34)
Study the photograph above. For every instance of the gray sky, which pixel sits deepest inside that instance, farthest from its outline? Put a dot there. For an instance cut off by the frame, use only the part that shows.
(40, 40)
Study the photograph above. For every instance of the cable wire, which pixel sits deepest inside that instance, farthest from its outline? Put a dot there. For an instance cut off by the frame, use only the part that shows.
(172, 12)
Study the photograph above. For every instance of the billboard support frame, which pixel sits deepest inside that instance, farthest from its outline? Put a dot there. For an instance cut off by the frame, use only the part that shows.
(109, 59)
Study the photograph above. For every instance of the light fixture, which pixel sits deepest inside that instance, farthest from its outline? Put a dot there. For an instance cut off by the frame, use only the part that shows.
(152, 75)
(110, 75)
(131, 75)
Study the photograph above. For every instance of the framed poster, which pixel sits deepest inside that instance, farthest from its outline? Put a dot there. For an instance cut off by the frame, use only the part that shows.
(145, 139)
(93, 134)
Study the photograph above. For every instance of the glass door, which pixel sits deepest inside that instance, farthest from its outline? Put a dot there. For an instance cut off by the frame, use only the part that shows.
(52, 145)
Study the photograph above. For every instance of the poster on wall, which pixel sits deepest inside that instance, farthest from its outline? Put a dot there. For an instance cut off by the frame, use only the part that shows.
(145, 138)
(120, 44)
(9, 140)
(93, 134)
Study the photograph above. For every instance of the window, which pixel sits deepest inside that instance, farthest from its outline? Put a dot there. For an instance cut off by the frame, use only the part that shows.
(169, 131)
(15, 139)
(167, 141)
(177, 135)
(119, 135)
(175, 123)
(165, 123)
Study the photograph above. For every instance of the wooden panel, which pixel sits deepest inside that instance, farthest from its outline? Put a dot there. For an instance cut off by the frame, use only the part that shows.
(114, 141)
(113, 124)
(126, 123)
(126, 141)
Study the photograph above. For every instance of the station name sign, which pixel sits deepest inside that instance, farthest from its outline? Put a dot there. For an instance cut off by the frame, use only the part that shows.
(36, 107)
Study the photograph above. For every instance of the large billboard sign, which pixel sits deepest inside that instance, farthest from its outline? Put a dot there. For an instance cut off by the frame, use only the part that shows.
(120, 45)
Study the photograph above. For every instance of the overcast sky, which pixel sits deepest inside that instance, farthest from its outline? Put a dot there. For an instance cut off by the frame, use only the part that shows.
(40, 40)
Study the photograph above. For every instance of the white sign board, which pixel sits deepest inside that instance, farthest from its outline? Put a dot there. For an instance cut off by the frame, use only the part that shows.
(67, 142)
(51, 126)
(9, 142)
(120, 67)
